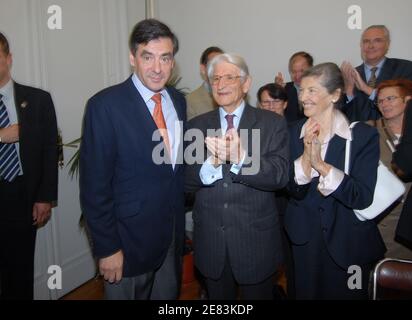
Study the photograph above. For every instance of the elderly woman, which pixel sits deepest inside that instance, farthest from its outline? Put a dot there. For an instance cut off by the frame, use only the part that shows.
(237, 237)
(329, 242)
(393, 96)
(273, 97)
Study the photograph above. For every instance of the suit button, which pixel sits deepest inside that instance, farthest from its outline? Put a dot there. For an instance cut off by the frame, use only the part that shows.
(324, 229)
(223, 228)
(321, 210)
(225, 185)
(226, 206)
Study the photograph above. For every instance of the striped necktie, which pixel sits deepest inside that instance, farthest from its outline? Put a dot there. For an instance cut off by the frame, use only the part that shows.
(372, 79)
(9, 160)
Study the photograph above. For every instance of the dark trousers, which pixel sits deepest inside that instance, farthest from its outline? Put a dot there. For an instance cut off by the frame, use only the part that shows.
(226, 287)
(318, 277)
(17, 241)
(160, 284)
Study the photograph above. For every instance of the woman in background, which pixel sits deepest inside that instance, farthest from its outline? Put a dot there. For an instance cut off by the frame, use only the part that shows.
(402, 163)
(273, 97)
(393, 96)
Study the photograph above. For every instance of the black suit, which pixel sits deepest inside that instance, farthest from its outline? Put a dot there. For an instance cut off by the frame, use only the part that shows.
(293, 111)
(361, 108)
(236, 219)
(403, 159)
(38, 155)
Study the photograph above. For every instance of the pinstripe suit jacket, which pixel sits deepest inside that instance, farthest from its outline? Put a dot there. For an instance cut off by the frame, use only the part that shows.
(237, 215)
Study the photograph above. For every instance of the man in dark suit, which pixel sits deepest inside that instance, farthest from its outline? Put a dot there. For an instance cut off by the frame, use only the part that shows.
(28, 176)
(237, 238)
(131, 187)
(299, 62)
(360, 82)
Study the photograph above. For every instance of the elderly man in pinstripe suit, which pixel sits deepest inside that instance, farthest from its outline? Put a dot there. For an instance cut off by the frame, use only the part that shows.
(237, 239)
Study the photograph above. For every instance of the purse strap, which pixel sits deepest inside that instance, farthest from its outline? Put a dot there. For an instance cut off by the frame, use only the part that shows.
(347, 148)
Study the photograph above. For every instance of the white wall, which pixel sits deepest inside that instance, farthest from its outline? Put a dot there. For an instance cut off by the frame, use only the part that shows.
(267, 32)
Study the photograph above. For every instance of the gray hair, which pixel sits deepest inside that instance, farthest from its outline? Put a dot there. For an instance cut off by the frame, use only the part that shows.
(381, 27)
(329, 75)
(232, 58)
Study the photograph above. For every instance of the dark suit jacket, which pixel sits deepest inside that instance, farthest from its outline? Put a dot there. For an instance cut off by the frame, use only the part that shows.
(38, 142)
(361, 108)
(237, 215)
(130, 202)
(293, 111)
(348, 240)
(402, 157)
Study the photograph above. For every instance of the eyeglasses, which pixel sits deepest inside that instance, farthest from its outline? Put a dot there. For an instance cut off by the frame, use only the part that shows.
(271, 103)
(227, 78)
(390, 99)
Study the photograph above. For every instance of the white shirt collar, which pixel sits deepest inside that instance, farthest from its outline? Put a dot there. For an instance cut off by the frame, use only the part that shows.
(146, 93)
(238, 111)
(7, 90)
(379, 65)
(340, 127)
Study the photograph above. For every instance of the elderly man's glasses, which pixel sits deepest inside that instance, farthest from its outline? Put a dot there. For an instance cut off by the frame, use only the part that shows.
(390, 99)
(227, 79)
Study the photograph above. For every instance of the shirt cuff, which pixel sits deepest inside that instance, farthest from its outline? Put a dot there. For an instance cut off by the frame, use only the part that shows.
(300, 176)
(373, 95)
(237, 166)
(331, 181)
(349, 98)
(208, 173)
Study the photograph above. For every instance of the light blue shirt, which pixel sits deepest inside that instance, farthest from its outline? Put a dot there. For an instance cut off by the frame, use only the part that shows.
(7, 91)
(208, 173)
(368, 73)
(174, 129)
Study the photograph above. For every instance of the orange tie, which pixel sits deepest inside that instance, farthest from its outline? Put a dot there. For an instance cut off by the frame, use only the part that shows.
(160, 120)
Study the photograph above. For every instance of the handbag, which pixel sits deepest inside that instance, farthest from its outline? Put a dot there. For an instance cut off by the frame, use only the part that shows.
(388, 188)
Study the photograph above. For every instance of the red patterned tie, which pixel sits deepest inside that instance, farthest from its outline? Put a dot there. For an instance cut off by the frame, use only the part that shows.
(160, 120)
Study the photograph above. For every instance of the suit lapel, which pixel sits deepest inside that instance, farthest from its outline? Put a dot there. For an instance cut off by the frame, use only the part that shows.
(214, 121)
(386, 72)
(335, 155)
(139, 108)
(180, 111)
(248, 118)
(361, 70)
(142, 115)
(20, 99)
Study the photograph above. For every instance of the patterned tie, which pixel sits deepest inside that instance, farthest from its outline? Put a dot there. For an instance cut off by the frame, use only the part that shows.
(9, 160)
(372, 79)
(160, 120)
(229, 119)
